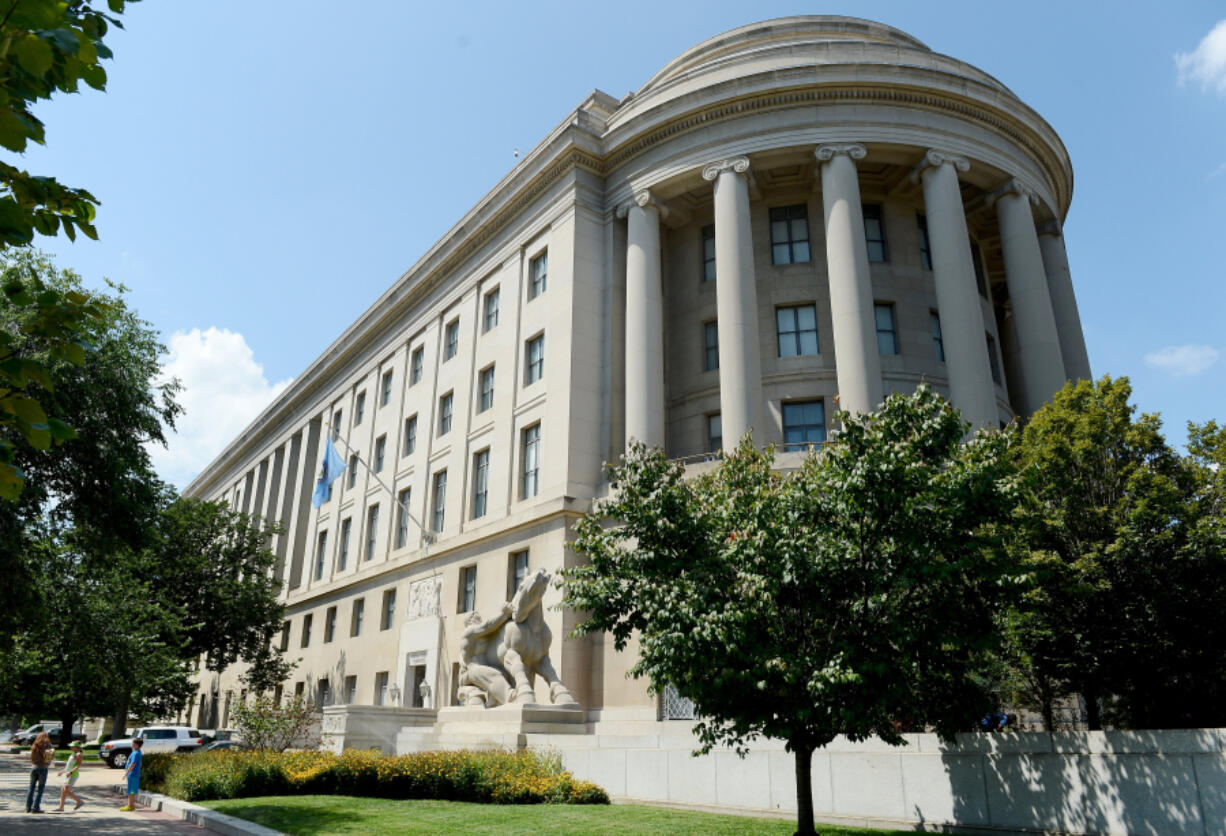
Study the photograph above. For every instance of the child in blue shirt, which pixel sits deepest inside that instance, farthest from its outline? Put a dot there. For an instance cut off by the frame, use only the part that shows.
(132, 773)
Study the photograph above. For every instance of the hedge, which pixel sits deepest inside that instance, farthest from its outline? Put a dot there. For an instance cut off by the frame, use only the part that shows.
(496, 777)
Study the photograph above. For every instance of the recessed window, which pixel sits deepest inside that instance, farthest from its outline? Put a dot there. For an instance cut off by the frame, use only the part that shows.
(993, 359)
(981, 281)
(381, 688)
(708, 253)
(359, 408)
(380, 452)
(356, 617)
(451, 342)
(874, 234)
(710, 346)
(306, 629)
(372, 530)
(517, 570)
(797, 330)
(352, 478)
(468, 588)
(938, 344)
(336, 424)
(715, 433)
(440, 500)
(343, 558)
(804, 424)
(487, 389)
(536, 360)
(321, 551)
(538, 271)
(351, 690)
(284, 636)
(385, 389)
(410, 434)
(887, 333)
(532, 461)
(415, 367)
(481, 482)
(329, 624)
(789, 234)
(402, 517)
(323, 693)
(491, 309)
(388, 618)
(925, 252)
(444, 414)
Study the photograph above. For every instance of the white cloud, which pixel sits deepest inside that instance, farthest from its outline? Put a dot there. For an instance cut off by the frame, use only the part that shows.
(1207, 63)
(1183, 360)
(223, 391)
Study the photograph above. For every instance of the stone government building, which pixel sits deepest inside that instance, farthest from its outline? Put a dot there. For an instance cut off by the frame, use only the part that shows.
(791, 217)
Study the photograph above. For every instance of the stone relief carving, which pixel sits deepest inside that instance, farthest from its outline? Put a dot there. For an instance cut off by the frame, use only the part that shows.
(500, 657)
(424, 599)
(332, 723)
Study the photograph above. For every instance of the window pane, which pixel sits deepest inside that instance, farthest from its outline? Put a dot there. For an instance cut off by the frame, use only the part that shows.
(779, 231)
(800, 229)
(806, 317)
(781, 254)
(808, 342)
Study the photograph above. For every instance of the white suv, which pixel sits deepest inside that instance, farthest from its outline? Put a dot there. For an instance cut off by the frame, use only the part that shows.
(157, 739)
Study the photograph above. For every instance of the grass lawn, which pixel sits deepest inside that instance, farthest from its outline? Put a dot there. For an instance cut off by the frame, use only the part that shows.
(322, 815)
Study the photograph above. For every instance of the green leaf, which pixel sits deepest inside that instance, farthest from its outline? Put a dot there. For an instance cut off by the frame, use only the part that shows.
(35, 55)
(11, 481)
(60, 431)
(63, 39)
(13, 133)
(25, 408)
(95, 76)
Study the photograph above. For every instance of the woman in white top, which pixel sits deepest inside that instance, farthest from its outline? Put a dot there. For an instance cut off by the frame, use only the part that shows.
(71, 770)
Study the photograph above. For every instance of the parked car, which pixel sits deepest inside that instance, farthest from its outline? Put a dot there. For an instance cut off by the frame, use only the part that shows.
(217, 745)
(157, 739)
(56, 733)
(25, 738)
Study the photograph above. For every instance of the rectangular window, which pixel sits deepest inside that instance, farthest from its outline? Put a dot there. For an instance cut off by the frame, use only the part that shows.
(351, 690)
(402, 518)
(887, 334)
(410, 434)
(487, 389)
(329, 624)
(491, 309)
(323, 693)
(352, 478)
(385, 389)
(710, 346)
(336, 424)
(715, 433)
(343, 558)
(804, 424)
(797, 330)
(874, 234)
(440, 499)
(789, 234)
(536, 360)
(321, 551)
(356, 617)
(468, 589)
(359, 409)
(451, 342)
(389, 610)
(481, 482)
(415, 369)
(306, 629)
(444, 414)
(938, 344)
(381, 688)
(284, 636)
(925, 252)
(372, 530)
(532, 461)
(380, 451)
(517, 570)
(708, 253)
(993, 360)
(538, 270)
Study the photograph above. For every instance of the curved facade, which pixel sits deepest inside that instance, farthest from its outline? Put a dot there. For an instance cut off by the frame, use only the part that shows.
(792, 217)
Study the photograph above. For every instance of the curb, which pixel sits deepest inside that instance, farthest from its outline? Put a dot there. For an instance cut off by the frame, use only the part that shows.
(195, 814)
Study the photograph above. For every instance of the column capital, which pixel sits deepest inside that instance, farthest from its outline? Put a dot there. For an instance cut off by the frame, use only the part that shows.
(1013, 186)
(935, 158)
(739, 165)
(1051, 227)
(642, 199)
(854, 150)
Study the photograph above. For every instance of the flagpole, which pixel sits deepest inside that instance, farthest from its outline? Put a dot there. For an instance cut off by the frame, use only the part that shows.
(427, 535)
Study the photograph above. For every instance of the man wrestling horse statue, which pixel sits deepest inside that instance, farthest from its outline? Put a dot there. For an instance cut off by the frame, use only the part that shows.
(502, 656)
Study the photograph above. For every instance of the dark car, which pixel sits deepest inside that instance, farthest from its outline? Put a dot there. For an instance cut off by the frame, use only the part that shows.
(55, 735)
(218, 745)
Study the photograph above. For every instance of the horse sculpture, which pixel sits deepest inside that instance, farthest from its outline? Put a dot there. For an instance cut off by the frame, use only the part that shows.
(502, 656)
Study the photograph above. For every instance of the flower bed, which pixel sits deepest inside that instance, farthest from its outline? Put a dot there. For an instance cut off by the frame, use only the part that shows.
(496, 777)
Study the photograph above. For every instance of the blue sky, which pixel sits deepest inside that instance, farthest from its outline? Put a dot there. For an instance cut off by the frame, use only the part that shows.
(267, 169)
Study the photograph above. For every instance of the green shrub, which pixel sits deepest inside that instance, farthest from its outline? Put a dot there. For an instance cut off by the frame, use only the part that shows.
(498, 777)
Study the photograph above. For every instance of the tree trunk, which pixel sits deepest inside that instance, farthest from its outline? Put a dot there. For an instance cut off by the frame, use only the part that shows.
(66, 721)
(1094, 716)
(119, 721)
(804, 789)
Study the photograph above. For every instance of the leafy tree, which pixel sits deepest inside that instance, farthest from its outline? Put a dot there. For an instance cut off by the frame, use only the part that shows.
(854, 596)
(262, 723)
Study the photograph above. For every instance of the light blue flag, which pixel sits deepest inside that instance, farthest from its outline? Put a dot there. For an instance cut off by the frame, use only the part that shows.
(329, 471)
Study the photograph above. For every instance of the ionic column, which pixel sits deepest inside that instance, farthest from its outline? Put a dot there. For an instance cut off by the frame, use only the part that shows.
(1064, 302)
(857, 360)
(644, 322)
(740, 365)
(1037, 336)
(971, 388)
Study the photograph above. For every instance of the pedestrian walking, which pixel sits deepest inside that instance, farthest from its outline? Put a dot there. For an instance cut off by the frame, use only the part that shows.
(71, 770)
(42, 753)
(132, 773)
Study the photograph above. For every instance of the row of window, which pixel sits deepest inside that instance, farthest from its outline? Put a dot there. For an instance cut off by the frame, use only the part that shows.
(804, 424)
